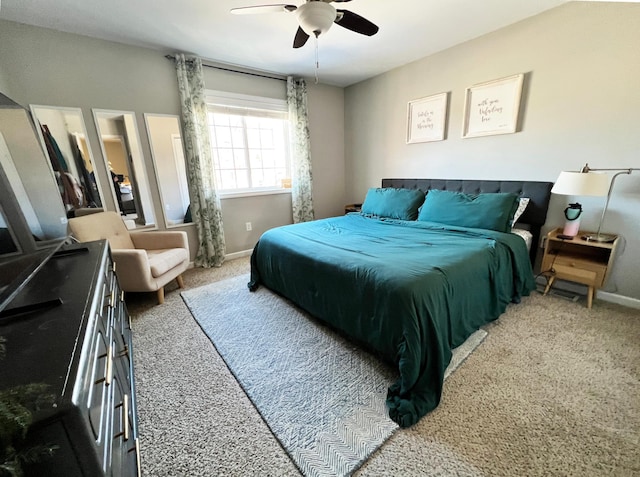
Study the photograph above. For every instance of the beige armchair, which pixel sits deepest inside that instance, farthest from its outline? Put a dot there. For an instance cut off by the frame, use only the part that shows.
(146, 261)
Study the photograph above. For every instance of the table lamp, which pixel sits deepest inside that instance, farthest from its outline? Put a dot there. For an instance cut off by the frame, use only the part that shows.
(590, 182)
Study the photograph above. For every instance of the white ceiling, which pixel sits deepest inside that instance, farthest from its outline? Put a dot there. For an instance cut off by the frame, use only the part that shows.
(409, 30)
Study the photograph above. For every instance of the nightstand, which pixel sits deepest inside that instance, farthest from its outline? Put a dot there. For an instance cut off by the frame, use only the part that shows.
(577, 260)
(352, 208)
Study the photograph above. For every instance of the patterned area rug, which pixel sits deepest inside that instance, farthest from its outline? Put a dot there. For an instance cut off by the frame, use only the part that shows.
(321, 396)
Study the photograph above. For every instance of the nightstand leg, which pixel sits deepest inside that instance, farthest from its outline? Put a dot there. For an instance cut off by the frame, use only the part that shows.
(590, 297)
(549, 283)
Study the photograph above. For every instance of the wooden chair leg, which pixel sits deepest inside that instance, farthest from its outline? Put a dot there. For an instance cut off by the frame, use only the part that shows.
(161, 295)
(549, 283)
(180, 281)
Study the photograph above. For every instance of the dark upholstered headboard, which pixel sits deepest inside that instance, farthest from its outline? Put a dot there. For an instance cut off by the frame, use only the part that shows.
(535, 214)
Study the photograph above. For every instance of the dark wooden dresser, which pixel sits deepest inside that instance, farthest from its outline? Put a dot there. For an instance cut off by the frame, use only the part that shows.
(69, 329)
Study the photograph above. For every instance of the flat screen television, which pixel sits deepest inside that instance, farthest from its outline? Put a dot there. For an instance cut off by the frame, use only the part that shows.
(16, 272)
(33, 220)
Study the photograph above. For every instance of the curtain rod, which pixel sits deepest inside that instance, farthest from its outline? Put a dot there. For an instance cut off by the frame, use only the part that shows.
(170, 57)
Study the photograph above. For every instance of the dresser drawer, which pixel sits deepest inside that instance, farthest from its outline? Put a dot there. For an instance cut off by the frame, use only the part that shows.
(98, 392)
(580, 270)
(122, 344)
(124, 446)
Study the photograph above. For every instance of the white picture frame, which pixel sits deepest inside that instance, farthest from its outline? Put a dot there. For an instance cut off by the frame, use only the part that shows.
(426, 118)
(492, 107)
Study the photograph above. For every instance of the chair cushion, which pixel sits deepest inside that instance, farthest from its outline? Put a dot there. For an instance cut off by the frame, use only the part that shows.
(161, 261)
(103, 225)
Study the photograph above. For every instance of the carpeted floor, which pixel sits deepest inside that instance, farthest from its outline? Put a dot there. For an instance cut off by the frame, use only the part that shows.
(553, 390)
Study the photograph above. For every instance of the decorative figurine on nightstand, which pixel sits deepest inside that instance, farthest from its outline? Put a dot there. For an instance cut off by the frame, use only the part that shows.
(572, 224)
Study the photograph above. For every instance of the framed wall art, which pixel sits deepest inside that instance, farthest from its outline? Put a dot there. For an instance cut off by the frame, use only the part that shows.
(426, 118)
(492, 107)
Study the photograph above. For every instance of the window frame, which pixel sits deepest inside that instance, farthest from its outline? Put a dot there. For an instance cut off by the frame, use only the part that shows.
(215, 98)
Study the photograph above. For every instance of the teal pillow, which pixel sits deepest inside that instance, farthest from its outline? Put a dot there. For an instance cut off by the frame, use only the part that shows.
(393, 203)
(478, 211)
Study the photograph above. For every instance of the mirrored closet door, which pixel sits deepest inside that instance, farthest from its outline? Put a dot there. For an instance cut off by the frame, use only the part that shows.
(120, 144)
(63, 136)
(29, 196)
(168, 156)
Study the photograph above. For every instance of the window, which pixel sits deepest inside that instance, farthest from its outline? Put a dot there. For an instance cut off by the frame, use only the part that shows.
(249, 143)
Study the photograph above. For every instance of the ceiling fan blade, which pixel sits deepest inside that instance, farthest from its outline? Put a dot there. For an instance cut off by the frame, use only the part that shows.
(280, 7)
(355, 22)
(300, 38)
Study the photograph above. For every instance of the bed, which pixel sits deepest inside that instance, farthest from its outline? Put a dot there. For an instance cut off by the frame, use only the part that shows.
(410, 277)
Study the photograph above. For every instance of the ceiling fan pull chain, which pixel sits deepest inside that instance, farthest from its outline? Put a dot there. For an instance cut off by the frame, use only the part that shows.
(317, 62)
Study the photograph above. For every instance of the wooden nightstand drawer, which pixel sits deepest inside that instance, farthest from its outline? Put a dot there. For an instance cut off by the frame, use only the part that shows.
(580, 262)
(580, 270)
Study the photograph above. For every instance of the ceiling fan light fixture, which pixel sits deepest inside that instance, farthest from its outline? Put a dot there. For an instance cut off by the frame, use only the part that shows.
(316, 18)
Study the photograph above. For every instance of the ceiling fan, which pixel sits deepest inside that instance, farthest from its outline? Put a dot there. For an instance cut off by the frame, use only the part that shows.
(315, 18)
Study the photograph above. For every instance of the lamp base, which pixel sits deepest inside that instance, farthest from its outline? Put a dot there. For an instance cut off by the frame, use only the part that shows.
(602, 238)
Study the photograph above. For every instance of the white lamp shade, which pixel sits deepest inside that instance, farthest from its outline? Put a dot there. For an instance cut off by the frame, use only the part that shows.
(316, 18)
(582, 183)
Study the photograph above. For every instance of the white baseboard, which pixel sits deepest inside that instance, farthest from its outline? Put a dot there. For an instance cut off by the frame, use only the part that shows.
(619, 299)
(242, 253)
(602, 295)
(229, 256)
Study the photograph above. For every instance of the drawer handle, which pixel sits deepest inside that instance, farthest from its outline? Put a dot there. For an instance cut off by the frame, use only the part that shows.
(136, 449)
(113, 268)
(125, 418)
(121, 295)
(108, 373)
(112, 302)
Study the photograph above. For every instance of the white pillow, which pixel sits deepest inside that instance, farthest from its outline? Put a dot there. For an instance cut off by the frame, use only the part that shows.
(525, 235)
(522, 205)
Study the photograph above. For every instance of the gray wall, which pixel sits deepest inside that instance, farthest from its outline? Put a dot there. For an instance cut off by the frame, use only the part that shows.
(3, 82)
(42, 66)
(581, 105)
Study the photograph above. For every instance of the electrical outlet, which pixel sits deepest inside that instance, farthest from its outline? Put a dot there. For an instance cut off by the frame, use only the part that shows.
(248, 225)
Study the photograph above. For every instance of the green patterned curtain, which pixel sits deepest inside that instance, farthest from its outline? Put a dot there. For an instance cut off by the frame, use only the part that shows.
(205, 203)
(301, 180)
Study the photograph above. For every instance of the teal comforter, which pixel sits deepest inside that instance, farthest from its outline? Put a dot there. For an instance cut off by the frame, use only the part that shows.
(412, 291)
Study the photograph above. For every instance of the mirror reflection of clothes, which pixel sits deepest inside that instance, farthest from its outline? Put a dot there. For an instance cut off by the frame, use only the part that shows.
(87, 180)
(56, 157)
(115, 179)
(71, 191)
